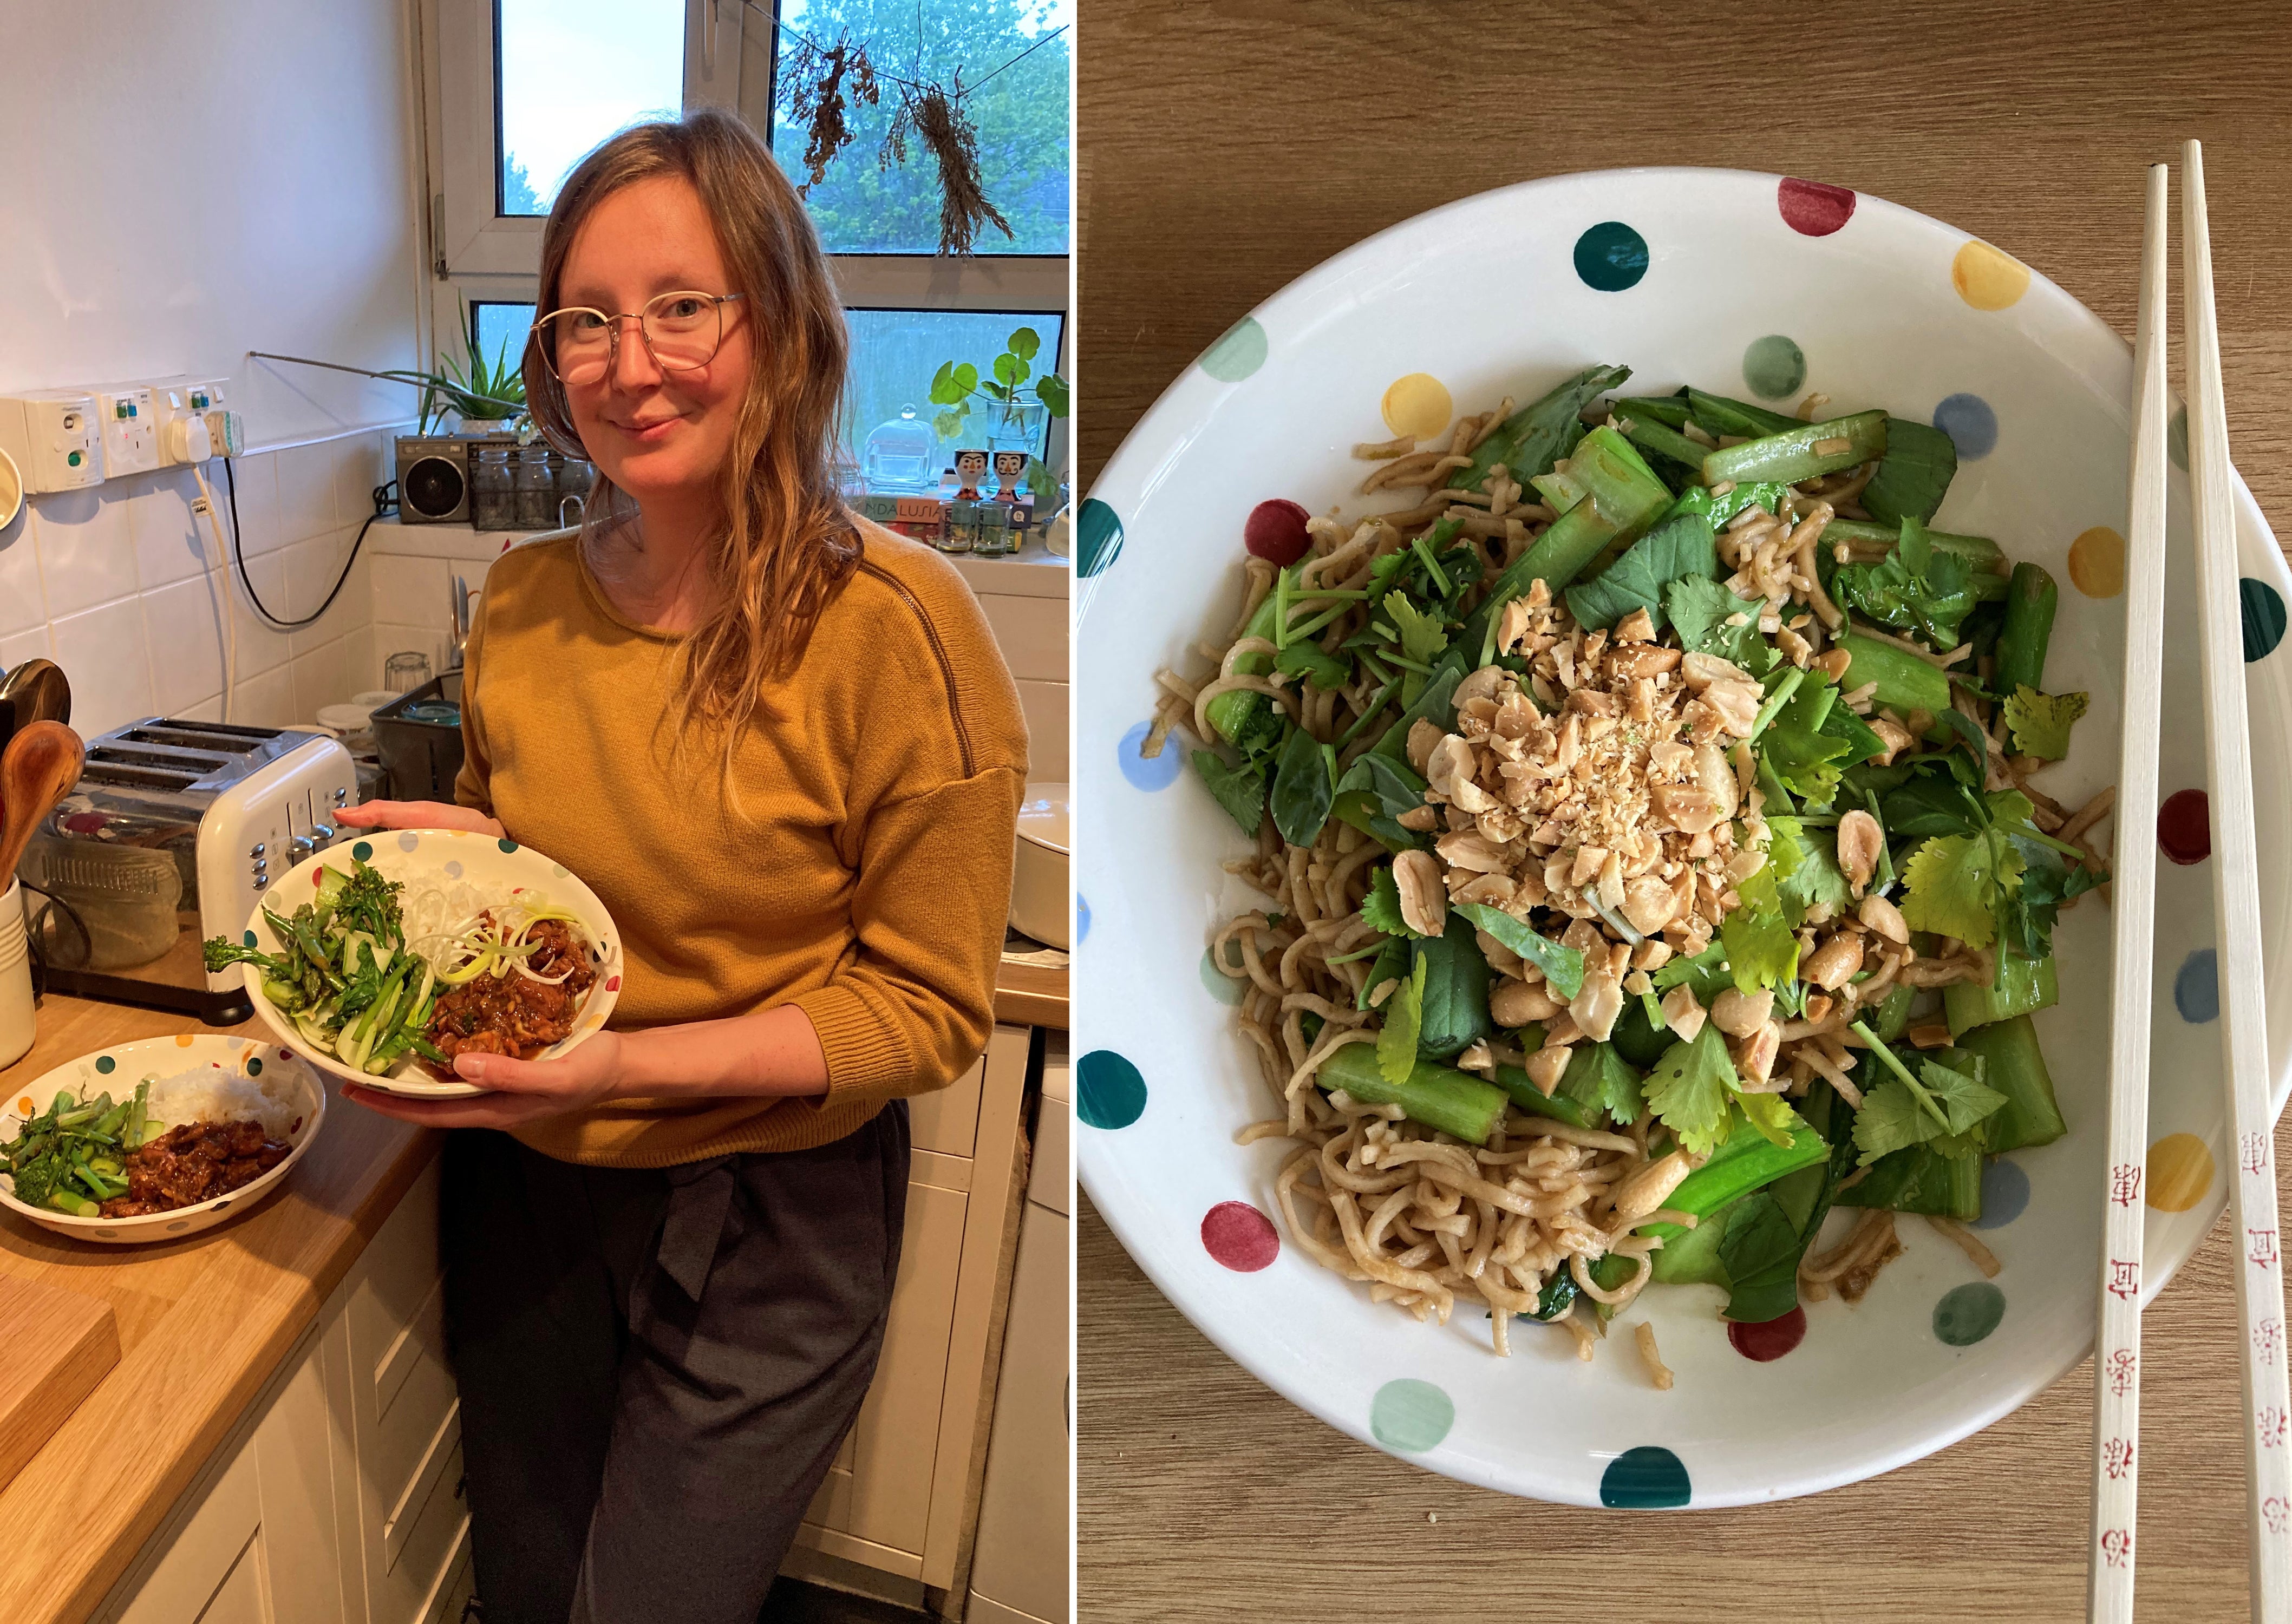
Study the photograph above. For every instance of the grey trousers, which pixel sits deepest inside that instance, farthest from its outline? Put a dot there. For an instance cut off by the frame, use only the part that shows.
(657, 1368)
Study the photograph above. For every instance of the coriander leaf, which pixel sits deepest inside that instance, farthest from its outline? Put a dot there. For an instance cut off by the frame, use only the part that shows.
(1600, 1079)
(1954, 884)
(1390, 964)
(1563, 966)
(1760, 1251)
(1396, 1041)
(1240, 790)
(1381, 908)
(1422, 639)
(1772, 1116)
(1891, 1119)
(1807, 760)
(1676, 549)
(1806, 868)
(1700, 610)
(1912, 588)
(2040, 723)
(1760, 948)
(2048, 880)
(1689, 1089)
(1706, 973)
(1964, 1099)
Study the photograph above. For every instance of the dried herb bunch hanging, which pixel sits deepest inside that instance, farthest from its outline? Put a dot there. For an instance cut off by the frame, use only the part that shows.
(818, 83)
(937, 120)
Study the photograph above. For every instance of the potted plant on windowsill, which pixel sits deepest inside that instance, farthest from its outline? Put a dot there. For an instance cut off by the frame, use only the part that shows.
(1013, 404)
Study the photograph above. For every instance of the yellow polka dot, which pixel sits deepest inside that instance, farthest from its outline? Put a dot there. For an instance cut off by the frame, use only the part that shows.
(2097, 562)
(25, 1105)
(183, 1040)
(1416, 405)
(1987, 280)
(2180, 1172)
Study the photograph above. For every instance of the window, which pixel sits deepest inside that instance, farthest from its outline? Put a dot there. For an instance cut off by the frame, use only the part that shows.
(516, 91)
(1016, 53)
(571, 72)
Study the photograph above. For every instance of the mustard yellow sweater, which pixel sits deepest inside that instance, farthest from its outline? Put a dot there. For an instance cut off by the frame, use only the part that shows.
(868, 885)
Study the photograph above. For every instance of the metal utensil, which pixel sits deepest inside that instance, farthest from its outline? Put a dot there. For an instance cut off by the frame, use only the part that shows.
(38, 769)
(37, 691)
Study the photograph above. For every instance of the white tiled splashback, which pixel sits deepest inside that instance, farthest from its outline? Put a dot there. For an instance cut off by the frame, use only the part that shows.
(121, 587)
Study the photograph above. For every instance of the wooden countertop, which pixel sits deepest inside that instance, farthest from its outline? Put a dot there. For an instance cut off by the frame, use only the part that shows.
(203, 1323)
(1228, 149)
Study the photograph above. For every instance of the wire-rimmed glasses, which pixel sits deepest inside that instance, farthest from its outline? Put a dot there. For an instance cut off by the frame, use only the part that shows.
(681, 330)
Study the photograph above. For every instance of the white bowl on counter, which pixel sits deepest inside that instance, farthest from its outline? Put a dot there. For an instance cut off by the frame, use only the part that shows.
(175, 1065)
(1039, 888)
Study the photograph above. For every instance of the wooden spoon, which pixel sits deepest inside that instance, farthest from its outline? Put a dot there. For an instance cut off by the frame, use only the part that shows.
(39, 767)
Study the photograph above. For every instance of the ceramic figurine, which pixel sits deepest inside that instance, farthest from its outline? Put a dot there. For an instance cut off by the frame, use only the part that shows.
(970, 469)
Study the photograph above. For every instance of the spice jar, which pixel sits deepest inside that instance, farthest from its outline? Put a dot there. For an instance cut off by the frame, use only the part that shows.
(493, 500)
(961, 533)
(537, 492)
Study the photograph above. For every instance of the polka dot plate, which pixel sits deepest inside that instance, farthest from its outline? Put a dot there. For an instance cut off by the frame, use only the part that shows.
(1747, 285)
(497, 868)
(172, 1063)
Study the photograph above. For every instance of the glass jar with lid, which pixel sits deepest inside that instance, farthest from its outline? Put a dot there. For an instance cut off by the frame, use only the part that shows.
(576, 477)
(493, 498)
(898, 456)
(535, 490)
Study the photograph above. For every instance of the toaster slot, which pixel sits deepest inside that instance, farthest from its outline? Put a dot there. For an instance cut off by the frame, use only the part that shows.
(137, 777)
(165, 760)
(200, 735)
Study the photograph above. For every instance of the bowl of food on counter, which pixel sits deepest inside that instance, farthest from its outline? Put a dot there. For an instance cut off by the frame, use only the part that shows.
(156, 1139)
(380, 960)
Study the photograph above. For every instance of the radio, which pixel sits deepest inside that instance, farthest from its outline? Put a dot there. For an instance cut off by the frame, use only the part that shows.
(433, 476)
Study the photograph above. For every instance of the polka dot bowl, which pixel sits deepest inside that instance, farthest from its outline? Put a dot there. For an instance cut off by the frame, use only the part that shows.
(496, 869)
(1747, 285)
(175, 1064)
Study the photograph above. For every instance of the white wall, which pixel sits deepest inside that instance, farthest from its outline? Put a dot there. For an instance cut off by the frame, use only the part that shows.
(189, 181)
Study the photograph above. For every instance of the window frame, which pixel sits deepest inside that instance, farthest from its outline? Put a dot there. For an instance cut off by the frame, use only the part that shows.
(476, 256)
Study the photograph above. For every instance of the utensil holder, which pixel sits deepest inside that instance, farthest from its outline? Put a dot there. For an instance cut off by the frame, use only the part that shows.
(17, 1018)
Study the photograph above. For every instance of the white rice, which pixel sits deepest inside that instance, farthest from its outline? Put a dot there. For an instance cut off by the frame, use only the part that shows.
(274, 1099)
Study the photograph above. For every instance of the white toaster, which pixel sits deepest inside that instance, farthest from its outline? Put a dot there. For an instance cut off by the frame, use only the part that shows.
(231, 807)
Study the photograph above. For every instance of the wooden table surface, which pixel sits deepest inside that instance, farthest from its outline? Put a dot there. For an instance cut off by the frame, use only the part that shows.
(203, 1321)
(1224, 149)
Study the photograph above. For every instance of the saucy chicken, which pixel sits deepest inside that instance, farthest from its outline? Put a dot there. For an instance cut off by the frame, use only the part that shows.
(510, 1014)
(195, 1163)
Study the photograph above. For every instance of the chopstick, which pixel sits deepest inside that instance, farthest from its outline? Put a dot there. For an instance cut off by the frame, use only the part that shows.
(2117, 1350)
(2236, 901)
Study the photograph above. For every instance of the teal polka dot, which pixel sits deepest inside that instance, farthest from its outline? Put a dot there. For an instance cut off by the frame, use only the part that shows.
(2264, 618)
(2176, 439)
(254, 1068)
(1645, 1478)
(1112, 1095)
(363, 850)
(105, 1064)
(247, 936)
(2196, 989)
(1411, 1416)
(1968, 1312)
(1100, 536)
(507, 845)
(1239, 351)
(1611, 257)
(1774, 366)
(1226, 989)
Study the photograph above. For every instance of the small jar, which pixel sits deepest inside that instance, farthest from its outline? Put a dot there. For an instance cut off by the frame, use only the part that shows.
(493, 499)
(535, 490)
(961, 533)
(576, 477)
(994, 534)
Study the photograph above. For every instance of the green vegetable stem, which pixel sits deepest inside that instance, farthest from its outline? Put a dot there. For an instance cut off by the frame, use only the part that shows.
(1904, 682)
(1796, 454)
(1436, 1096)
(2029, 603)
(2016, 1068)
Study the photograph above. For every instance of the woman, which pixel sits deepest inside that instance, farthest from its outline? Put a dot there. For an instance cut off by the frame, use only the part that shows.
(781, 747)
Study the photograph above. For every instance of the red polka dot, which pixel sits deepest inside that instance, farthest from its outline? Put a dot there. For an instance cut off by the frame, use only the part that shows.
(1812, 209)
(1240, 1236)
(1773, 1339)
(614, 985)
(2184, 828)
(1276, 530)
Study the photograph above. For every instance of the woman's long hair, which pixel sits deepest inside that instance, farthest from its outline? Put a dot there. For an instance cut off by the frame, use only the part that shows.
(786, 541)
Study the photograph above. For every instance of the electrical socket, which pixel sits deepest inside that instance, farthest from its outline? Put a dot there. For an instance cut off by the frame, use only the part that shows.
(129, 419)
(54, 437)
